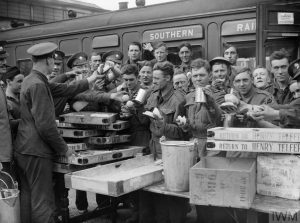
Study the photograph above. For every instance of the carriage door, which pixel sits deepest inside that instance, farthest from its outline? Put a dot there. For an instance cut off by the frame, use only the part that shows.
(278, 27)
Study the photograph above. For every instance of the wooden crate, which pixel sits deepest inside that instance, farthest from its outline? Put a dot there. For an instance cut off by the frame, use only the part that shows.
(254, 134)
(88, 157)
(91, 118)
(279, 175)
(117, 178)
(258, 147)
(226, 182)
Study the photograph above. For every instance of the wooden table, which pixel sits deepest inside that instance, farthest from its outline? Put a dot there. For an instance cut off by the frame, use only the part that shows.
(261, 203)
(62, 192)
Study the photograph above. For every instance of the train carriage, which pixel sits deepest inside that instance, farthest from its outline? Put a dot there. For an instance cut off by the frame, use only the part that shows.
(207, 25)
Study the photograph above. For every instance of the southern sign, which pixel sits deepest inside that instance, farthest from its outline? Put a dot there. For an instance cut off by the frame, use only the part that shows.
(177, 33)
(247, 26)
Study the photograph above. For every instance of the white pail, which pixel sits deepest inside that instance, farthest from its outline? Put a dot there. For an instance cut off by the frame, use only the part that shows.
(178, 157)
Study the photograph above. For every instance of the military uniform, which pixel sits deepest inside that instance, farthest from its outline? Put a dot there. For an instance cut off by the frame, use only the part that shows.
(171, 105)
(290, 115)
(282, 96)
(38, 140)
(5, 131)
(185, 68)
(166, 208)
(254, 97)
(201, 116)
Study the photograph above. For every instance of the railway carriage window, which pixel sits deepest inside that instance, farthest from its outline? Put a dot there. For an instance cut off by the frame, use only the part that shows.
(241, 34)
(289, 43)
(70, 46)
(25, 66)
(246, 54)
(105, 41)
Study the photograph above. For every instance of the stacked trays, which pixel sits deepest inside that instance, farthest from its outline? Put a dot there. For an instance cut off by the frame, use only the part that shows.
(95, 138)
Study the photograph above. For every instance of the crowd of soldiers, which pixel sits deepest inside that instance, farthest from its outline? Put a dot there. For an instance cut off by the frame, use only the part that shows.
(30, 105)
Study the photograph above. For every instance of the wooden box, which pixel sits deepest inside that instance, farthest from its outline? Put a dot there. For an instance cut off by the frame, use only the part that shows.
(251, 146)
(254, 134)
(88, 157)
(226, 182)
(279, 175)
(117, 178)
(92, 118)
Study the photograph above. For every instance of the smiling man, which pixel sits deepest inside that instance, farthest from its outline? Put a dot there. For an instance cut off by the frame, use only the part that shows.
(180, 81)
(243, 83)
(262, 79)
(146, 75)
(185, 55)
(279, 67)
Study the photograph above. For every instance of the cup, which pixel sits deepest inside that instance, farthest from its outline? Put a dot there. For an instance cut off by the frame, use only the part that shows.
(141, 96)
(228, 120)
(199, 95)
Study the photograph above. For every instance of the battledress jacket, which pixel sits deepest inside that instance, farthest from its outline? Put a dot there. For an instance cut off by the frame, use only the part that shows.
(202, 116)
(5, 130)
(37, 132)
(170, 106)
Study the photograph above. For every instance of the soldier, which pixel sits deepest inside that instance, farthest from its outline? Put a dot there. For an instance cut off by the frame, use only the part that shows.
(139, 125)
(58, 64)
(146, 75)
(220, 69)
(160, 52)
(247, 93)
(112, 69)
(38, 139)
(13, 79)
(288, 115)
(279, 67)
(180, 81)
(185, 54)
(230, 53)
(6, 145)
(95, 61)
(262, 79)
(170, 103)
(134, 54)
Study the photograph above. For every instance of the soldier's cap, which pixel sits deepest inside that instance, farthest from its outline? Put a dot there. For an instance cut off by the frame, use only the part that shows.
(59, 55)
(219, 59)
(77, 59)
(11, 72)
(115, 56)
(42, 49)
(294, 69)
(3, 53)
